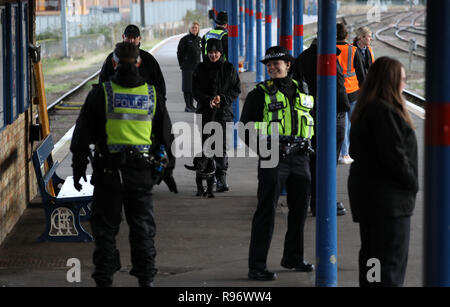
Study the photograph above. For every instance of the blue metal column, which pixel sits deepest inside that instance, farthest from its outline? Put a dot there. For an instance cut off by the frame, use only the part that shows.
(241, 28)
(259, 42)
(286, 25)
(233, 35)
(326, 237)
(268, 10)
(437, 147)
(298, 27)
(251, 37)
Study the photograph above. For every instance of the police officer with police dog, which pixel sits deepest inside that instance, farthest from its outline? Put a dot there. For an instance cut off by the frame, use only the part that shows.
(119, 117)
(281, 100)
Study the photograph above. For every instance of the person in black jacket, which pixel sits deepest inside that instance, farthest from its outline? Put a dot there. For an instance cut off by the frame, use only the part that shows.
(216, 85)
(123, 169)
(189, 54)
(305, 68)
(148, 66)
(383, 180)
(362, 41)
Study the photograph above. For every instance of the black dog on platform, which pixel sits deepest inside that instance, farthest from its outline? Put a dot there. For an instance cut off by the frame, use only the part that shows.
(205, 169)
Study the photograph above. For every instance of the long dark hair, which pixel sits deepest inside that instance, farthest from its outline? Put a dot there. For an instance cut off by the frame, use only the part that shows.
(383, 83)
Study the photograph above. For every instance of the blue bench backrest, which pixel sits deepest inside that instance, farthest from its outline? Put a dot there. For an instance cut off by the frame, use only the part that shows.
(42, 154)
(44, 149)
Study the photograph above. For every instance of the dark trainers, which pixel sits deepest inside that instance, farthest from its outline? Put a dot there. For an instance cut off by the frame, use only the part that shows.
(261, 275)
(301, 267)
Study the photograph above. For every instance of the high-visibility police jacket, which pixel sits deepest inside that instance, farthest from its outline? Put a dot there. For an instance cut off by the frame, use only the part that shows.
(346, 60)
(217, 34)
(278, 109)
(129, 115)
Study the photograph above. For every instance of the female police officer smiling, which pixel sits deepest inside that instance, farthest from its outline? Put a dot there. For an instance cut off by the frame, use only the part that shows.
(280, 100)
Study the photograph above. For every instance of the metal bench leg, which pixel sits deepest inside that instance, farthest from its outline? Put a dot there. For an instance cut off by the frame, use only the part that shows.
(85, 212)
(63, 225)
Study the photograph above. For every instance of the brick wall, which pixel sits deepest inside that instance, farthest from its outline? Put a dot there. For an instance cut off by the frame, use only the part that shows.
(17, 180)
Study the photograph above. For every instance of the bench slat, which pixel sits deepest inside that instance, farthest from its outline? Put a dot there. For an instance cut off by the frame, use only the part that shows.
(50, 172)
(45, 149)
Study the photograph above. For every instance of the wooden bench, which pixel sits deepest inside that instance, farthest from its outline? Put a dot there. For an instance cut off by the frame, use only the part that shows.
(64, 211)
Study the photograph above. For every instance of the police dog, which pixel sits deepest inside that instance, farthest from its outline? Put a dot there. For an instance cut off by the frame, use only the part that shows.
(204, 168)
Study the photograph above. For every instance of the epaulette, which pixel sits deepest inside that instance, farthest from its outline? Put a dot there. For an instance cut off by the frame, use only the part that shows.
(268, 86)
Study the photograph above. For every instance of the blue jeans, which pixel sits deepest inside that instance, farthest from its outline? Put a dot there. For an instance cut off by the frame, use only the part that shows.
(346, 144)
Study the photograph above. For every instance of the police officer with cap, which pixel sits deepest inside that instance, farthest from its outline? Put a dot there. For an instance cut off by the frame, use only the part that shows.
(147, 65)
(280, 104)
(120, 117)
(220, 32)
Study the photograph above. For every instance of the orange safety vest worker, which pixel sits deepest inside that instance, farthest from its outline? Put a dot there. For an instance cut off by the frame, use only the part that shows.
(371, 54)
(346, 60)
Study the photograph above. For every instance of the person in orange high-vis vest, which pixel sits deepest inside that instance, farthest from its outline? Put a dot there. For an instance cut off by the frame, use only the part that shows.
(349, 59)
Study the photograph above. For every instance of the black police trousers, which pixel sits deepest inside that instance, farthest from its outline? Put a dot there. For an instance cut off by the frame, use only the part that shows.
(130, 188)
(293, 172)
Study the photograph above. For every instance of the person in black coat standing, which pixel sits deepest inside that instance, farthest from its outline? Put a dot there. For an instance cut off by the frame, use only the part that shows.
(189, 54)
(305, 69)
(147, 65)
(216, 85)
(383, 180)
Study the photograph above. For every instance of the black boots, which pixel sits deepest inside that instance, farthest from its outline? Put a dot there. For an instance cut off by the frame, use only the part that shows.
(221, 184)
(189, 100)
(299, 267)
(261, 275)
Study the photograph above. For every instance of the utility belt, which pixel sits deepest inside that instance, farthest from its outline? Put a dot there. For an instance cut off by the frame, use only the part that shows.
(128, 158)
(291, 145)
(298, 148)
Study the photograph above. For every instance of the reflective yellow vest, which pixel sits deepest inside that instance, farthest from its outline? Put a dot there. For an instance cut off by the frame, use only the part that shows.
(129, 115)
(277, 108)
(217, 34)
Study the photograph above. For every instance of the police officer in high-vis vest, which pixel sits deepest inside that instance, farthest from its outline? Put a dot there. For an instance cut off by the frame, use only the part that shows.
(280, 101)
(123, 118)
(220, 32)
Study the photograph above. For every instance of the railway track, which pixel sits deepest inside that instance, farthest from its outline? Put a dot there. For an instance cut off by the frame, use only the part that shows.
(386, 41)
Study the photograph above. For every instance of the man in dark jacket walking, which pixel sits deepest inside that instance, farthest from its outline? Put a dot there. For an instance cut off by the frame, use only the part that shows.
(305, 69)
(123, 118)
(215, 86)
(188, 55)
(148, 66)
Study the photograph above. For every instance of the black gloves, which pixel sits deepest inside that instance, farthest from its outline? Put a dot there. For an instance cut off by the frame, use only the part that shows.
(79, 171)
(170, 181)
(171, 184)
